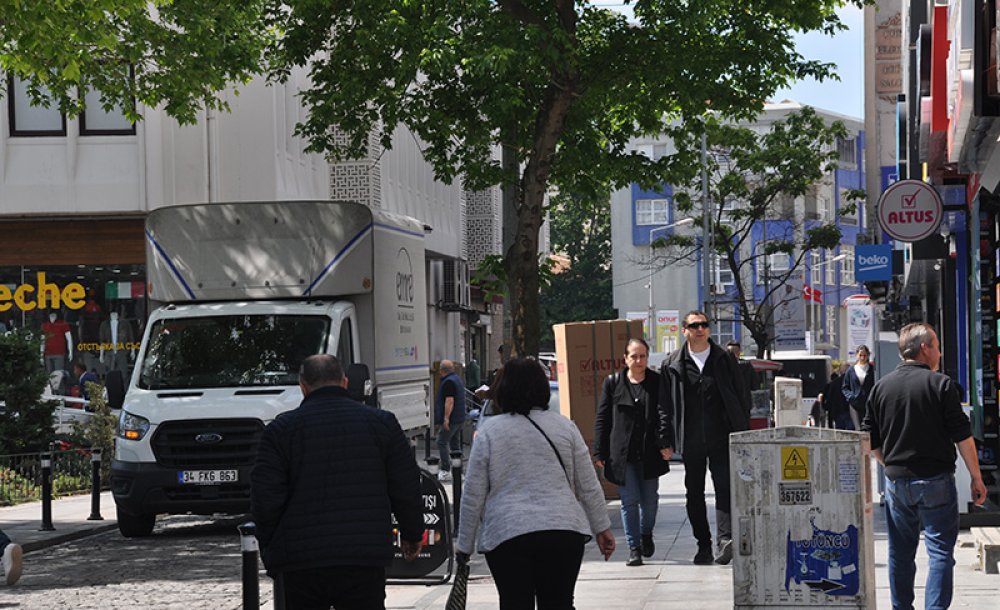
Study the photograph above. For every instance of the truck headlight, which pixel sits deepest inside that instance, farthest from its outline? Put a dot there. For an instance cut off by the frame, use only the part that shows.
(132, 427)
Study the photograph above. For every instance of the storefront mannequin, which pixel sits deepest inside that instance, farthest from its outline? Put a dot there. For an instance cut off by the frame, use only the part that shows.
(89, 332)
(116, 334)
(58, 343)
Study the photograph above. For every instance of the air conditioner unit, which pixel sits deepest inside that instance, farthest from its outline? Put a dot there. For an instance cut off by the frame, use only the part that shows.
(454, 285)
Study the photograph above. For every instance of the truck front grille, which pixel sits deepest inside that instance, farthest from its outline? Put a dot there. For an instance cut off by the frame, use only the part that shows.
(207, 443)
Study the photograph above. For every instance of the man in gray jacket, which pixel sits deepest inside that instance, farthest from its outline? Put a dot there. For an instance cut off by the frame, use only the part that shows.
(709, 400)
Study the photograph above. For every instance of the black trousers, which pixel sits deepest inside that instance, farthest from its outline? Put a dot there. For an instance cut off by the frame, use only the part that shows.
(340, 587)
(716, 459)
(542, 565)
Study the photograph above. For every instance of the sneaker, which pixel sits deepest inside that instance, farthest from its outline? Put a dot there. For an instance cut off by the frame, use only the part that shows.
(704, 556)
(725, 552)
(634, 558)
(648, 548)
(12, 562)
(444, 476)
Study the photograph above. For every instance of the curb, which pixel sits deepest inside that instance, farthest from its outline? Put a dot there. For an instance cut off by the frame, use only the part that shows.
(38, 545)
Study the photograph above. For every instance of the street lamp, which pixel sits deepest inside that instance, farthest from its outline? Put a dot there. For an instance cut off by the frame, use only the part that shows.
(651, 314)
(813, 302)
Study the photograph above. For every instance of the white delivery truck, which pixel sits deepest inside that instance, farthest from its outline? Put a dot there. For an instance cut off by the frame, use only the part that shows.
(244, 292)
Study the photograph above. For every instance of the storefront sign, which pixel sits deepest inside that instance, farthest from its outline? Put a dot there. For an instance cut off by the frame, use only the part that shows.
(910, 210)
(42, 295)
(873, 263)
(668, 328)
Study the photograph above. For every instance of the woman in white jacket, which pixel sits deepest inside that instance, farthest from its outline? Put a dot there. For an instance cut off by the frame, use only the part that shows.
(531, 496)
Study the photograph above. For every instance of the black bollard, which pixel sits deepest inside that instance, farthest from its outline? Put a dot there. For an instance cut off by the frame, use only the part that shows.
(95, 483)
(427, 445)
(456, 484)
(46, 492)
(251, 579)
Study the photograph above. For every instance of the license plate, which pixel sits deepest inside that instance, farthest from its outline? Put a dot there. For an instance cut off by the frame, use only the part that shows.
(795, 493)
(207, 477)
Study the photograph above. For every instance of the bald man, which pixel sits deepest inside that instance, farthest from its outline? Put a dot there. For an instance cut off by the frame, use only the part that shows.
(449, 414)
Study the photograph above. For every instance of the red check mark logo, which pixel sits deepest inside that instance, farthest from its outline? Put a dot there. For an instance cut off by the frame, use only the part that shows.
(911, 201)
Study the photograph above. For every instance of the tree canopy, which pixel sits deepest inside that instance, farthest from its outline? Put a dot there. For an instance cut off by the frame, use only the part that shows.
(754, 179)
(562, 86)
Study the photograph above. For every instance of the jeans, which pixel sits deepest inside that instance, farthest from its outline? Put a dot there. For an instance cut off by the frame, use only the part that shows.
(540, 565)
(698, 459)
(4, 541)
(449, 438)
(640, 499)
(908, 503)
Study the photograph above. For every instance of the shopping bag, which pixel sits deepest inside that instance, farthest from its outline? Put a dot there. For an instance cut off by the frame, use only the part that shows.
(459, 588)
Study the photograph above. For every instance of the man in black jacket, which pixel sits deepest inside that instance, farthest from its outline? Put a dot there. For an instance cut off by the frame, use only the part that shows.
(709, 400)
(915, 420)
(327, 478)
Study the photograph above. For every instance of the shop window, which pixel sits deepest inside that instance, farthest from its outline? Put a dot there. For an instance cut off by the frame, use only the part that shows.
(30, 117)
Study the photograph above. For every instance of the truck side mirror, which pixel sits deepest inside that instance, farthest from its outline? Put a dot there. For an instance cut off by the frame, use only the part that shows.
(358, 381)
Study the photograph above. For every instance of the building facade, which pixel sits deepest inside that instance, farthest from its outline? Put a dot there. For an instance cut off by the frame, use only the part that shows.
(647, 288)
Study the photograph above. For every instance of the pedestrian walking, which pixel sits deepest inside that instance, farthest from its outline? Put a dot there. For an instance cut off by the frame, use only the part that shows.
(857, 385)
(705, 392)
(915, 420)
(633, 444)
(531, 496)
(838, 410)
(11, 555)
(328, 480)
(449, 414)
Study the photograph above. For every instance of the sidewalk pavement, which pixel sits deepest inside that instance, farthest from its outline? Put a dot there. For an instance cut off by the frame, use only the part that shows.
(667, 581)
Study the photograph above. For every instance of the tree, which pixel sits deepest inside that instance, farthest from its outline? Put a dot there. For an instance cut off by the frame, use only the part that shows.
(754, 180)
(580, 229)
(26, 420)
(561, 86)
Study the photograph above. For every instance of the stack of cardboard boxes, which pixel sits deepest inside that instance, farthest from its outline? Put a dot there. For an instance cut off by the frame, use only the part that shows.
(586, 353)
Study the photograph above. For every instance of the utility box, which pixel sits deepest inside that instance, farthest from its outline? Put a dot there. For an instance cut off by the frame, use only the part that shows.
(586, 353)
(788, 402)
(802, 519)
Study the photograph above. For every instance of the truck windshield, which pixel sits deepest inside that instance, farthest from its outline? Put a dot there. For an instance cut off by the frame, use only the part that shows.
(231, 351)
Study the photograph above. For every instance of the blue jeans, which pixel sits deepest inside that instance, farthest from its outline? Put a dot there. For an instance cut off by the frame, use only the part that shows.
(449, 439)
(908, 503)
(640, 499)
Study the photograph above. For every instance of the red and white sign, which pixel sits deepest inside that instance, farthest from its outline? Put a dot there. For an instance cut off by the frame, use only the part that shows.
(910, 210)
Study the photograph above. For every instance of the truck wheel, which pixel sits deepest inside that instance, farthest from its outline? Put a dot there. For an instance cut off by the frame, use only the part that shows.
(135, 526)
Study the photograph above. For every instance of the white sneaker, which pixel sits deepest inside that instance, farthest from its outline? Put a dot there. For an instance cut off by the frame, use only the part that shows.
(12, 562)
(444, 475)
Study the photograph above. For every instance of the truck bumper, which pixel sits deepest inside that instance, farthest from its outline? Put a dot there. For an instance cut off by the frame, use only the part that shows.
(144, 488)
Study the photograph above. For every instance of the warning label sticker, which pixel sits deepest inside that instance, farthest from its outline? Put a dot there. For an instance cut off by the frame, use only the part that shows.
(795, 463)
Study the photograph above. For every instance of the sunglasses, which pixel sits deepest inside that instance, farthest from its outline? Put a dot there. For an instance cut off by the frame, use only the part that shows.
(698, 325)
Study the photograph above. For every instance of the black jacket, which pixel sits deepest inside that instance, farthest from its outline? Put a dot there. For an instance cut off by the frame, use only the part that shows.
(915, 417)
(855, 392)
(616, 420)
(730, 386)
(328, 475)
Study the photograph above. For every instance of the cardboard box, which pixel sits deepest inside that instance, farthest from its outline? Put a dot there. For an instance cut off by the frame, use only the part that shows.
(586, 353)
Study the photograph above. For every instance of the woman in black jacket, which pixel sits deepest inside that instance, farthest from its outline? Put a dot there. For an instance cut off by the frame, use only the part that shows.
(857, 385)
(633, 443)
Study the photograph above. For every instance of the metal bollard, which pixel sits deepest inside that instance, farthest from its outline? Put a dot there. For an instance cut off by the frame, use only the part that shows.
(46, 492)
(95, 483)
(456, 483)
(251, 578)
(427, 445)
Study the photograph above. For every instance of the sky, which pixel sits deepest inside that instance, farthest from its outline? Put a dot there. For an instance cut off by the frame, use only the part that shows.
(846, 50)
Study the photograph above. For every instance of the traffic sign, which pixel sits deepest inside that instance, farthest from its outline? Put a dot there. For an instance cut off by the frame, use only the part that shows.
(910, 210)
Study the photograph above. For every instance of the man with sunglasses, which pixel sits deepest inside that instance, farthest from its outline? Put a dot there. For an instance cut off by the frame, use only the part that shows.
(710, 400)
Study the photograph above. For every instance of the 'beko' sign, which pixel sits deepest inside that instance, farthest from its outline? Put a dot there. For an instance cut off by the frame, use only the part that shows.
(910, 210)
(873, 263)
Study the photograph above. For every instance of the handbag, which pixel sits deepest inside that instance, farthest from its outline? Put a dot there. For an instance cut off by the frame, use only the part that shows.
(459, 588)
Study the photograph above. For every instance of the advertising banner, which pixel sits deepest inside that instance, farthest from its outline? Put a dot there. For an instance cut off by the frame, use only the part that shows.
(668, 330)
(640, 315)
(860, 323)
(873, 263)
(790, 315)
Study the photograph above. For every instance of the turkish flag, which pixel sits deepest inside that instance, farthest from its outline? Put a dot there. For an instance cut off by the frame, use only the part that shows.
(812, 294)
